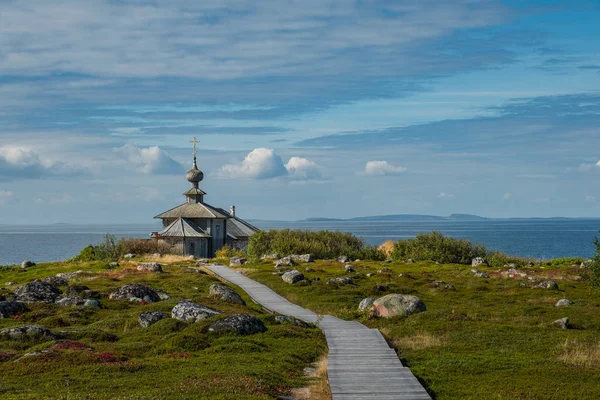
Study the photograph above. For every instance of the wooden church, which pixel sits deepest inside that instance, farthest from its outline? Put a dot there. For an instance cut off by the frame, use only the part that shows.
(198, 229)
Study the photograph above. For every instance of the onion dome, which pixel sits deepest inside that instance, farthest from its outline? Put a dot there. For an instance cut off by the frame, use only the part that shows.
(194, 175)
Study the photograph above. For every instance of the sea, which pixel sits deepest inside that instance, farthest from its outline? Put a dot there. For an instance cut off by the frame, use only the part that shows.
(536, 238)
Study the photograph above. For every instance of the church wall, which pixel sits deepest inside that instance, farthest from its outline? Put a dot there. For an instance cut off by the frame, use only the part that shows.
(217, 231)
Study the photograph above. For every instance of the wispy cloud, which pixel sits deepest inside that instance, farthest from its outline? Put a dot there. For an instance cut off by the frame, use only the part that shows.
(149, 160)
(24, 163)
(382, 168)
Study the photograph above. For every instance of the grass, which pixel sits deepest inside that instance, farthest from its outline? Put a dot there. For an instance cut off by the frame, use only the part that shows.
(488, 339)
(109, 356)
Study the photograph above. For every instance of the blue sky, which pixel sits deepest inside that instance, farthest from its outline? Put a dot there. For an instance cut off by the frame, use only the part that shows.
(302, 108)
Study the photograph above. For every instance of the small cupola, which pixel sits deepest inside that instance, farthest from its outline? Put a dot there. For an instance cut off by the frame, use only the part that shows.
(194, 176)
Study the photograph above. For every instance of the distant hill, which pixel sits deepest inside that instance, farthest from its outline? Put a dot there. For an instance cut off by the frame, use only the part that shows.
(404, 217)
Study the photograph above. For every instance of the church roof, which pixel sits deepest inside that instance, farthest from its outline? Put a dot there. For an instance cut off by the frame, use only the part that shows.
(183, 227)
(194, 210)
(194, 191)
(238, 228)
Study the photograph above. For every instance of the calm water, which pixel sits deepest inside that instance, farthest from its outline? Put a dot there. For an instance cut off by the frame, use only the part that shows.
(532, 238)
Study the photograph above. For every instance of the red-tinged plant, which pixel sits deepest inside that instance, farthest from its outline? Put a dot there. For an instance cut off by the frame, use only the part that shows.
(69, 345)
(144, 302)
(20, 317)
(106, 357)
(179, 355)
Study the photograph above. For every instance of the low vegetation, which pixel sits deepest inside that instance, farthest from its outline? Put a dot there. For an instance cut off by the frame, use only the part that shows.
(106, 354)
(111, 249)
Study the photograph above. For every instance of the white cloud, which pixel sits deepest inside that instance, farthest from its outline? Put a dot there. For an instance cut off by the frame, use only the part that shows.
(507, 196)
(444, 195)
(24, 163)
(264, 163)
(598, 164)
(150, 160)
(5, 196)
(383, 168)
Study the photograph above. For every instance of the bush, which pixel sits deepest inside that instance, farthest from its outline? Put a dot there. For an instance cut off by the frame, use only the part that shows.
(321, 244)
(142, 246)
(595, 278)
(228, 252)
(111, 250)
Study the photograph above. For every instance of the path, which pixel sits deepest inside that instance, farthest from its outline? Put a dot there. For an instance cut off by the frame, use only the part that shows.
(360, 366)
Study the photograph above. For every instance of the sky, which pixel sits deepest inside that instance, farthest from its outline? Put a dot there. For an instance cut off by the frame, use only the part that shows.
(311, 108)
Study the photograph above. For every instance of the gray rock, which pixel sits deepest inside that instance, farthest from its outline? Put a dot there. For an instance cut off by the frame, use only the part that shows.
(243, 324)
(510, 265)
(365, 303)
(37, 291)
(26, 331)
(409, 261)
(562, 323)
(587, 264)
(202, 261)
(478, 261)
(76, 290)
(284, 262)
(349, 268)
(12, 308)
(384, 270)
(135, 292)
(370, 274)
(192, 312)
(449, 287)
(316, 278)
(113, 265)
(547, 285)
(292, 276)
(563, 303)
(306, 258)
(129, 255)
(303, 282)
(9, 283)
(162, 294)
(343, 281)
(392, 305)
(479, 274)
(92, 303)
(70, 275)
(148, 318)
(309, 269)
(70, 301)
(27, 264)
(343, 259)
(513, 273)
(237, 261)
(282, 319)
(150, 267)
(270, 257)
(56, 281)
(225, 293)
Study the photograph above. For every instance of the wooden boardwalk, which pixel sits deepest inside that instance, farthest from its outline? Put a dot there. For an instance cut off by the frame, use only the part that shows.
(361, 365)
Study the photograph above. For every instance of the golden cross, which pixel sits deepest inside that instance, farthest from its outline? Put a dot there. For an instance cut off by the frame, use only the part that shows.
(194, 141)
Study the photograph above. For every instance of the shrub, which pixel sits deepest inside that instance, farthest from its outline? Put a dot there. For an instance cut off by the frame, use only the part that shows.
(228, 252)
(436, 247)
(595, 278)
(321, 244)
(142, 246)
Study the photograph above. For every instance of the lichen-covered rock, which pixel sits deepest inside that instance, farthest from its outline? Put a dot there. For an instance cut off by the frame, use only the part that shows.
(76, 290)
(150, 267)
(162, 294)
(56, 281)
(37, 291)
(284, 262)
(92, 303)
(343, 259)
(345, 280)
(11, 308)
(225, 293)
(237, 261)
(292, 276)
(513, 273)
(392, 305)
(27, 264)
(135, 292)
(27, 331)
(305, 258)
(282, 319)
(365, 304)
(479, 274)
(562, 323)
(478, 261)
(69, 275)
(547, 285)
(563, 303)
(70, 301)
(202, 261)
(243, 324)
(151, 317)
(192, 312)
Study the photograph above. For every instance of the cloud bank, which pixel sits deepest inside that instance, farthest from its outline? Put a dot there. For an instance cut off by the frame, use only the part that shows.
(24, 163)
(264, 163)
(382, 168)
(150, 160)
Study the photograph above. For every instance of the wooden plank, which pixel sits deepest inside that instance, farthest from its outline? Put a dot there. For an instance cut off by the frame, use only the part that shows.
(361, 365)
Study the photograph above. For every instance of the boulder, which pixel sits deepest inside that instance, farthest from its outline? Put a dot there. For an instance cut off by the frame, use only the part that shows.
(392, 305)
(365, 303)
(135, 292)
(150, 267)
(478, 261)
(92, 303)
(547, 285)
(162, 294)
(343, 259)
(37, 291)
(479, 274)
(449, 287)
(129, 255)
(27, 264)
(12, 308)
(76, 290)
(270, 257)
(587, 264)
(202, 261)
(237, 261)
(284, 262)
(303, 282)
(409, 261)
(513, 273)
(306, 258)
(243, 324)
(292, 276)
(192, 312)
(70, 301)
(370, 274)
(71, 275)
(56, 281)
(384, 270)
(343, 281)
(151, 317)
(563, 303)
(349, 268)
(562, 323)
(27, 331)
(316, 278)
(282, 319)
(380, 288)
(225, 293)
